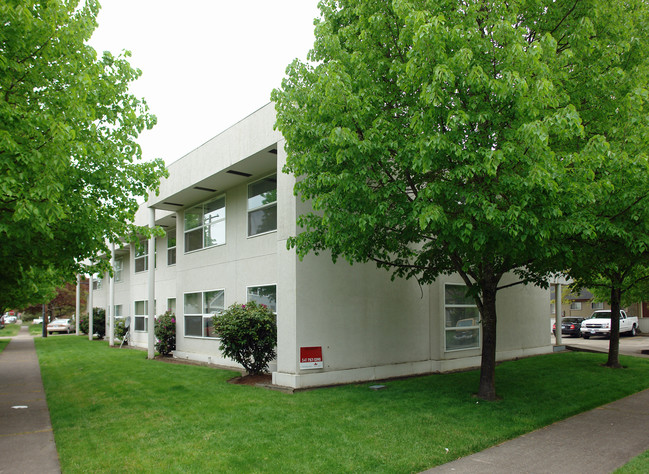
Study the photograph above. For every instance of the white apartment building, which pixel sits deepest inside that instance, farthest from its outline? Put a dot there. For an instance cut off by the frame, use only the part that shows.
(228, 211)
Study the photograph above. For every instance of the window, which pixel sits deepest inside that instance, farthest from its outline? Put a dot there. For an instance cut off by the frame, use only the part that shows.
(266, 295)
(462, 326)
(171, 247)
(576, 305)
(262, 206)
(205, 225)
(118, 311)
(119, 268)
(142, 256)
(97, 283)
(141, 315)
(171, 305)
(597, 305)
(198, 311)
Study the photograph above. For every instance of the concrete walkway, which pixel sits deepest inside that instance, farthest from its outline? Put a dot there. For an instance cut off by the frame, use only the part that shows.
(26, 438)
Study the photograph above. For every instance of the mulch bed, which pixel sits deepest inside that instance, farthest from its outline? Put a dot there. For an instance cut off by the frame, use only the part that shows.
(251, 380)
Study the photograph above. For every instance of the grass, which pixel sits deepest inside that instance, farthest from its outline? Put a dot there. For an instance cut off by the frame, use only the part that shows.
(36, 329)
(637, 465)
(10, 330)
(3, 344)
(113, 410)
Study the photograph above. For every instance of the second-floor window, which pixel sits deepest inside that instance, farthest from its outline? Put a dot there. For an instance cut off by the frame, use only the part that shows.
(205, 225)
(171, 247)
(119, 267)
(142, 256)
(262, 206)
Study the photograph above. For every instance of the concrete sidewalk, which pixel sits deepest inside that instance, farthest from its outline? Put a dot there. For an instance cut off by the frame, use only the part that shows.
(26, 438)
(597, 441)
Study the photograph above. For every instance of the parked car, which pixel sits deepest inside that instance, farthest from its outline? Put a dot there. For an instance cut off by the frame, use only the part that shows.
(599, 324)
(60, 325)
(10, 319)
(37, 321)
(570, 326)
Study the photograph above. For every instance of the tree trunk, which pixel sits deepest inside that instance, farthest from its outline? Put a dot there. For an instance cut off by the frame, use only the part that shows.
(614, 343)
(487, 389)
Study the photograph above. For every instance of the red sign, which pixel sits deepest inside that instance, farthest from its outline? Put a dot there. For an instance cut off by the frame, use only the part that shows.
(311, 358)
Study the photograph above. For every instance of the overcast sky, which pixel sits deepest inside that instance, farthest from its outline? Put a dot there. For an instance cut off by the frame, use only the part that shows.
(206, 64)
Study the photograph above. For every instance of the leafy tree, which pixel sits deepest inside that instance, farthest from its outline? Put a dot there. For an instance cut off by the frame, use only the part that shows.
(454, 136)
(70, 169)
(64, 303)
(614, 256)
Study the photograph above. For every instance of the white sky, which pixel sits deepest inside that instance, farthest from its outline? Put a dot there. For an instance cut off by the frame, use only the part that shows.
(206, 64)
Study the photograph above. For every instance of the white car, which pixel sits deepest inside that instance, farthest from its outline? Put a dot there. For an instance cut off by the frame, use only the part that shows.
(60, 325)
(10, 319)
(37, 321)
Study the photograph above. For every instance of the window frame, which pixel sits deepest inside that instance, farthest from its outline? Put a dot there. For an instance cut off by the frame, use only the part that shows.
(205, 225)
(172, 247)
(597, 305)
(141, 253)
(269, 205)
(274, 310)
(144, 317)
(476, 327)
(206, 318)
(576, 306)
(118, 270)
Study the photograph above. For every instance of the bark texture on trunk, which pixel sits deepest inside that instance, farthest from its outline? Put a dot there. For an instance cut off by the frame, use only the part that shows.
(487, 389)
(614, 343)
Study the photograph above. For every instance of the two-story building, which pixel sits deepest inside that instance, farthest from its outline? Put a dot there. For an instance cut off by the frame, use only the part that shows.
(228, 211)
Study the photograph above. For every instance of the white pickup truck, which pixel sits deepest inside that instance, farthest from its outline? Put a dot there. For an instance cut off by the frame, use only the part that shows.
(599, 324)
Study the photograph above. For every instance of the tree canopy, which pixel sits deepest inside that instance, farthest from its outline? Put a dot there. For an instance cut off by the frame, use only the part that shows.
(71, 171)
(434, 137)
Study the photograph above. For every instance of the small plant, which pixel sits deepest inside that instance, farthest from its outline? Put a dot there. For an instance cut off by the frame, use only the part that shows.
(98, 322)
(248, 335)
(120, 328)
(165, 332)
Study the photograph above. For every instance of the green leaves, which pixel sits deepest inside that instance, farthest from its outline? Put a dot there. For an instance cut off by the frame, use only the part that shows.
(69, 175)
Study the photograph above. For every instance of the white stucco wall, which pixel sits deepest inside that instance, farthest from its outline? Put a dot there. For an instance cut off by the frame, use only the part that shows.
(369, 327)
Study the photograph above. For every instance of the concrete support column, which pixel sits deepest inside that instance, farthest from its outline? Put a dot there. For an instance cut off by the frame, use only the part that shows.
(91, 330)
(111, 299)
(557, 310)
(151, 284)
(77, 314)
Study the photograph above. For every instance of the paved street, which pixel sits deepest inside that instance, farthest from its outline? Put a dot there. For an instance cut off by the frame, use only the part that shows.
(628, 345)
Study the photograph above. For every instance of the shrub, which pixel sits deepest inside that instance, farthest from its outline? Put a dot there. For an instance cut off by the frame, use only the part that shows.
(98, 322)
(248, 335)
(165, 332)
(120, 328)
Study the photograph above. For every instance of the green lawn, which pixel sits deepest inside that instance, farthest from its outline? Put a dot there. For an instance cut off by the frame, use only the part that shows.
(112, 410)
(9, 330)
(638, 465)
(3, 344)
(36, 329)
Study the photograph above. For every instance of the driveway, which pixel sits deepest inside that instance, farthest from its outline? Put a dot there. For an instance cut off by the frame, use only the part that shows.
(632, 346)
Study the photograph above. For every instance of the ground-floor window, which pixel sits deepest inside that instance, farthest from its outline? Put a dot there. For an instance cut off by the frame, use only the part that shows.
(462, 325)
(141, 314)
(264, 294)
(198, 310)
(171, 305)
